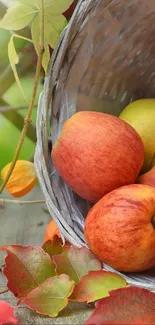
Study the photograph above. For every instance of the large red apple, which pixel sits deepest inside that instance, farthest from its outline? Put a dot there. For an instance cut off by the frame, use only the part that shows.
(120, 228)
(97, 153)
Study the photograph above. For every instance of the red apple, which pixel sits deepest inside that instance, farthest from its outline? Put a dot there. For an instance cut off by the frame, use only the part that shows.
(147, 178)
(97, 153)
(120, 228)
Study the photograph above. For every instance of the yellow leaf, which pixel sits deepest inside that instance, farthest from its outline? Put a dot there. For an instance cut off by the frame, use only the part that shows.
(53, 26)
(22, 180)
(14, 59)
(18, 17)
(57, 7)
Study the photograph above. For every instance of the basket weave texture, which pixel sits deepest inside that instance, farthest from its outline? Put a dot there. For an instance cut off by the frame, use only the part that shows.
(104, 59)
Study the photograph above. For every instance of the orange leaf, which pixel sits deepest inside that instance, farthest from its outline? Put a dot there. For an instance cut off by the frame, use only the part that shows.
(51, 231)
(22, 180)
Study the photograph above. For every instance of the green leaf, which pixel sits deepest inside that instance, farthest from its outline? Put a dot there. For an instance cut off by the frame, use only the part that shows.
(53, 247)
(17, 17)
(53, 26)
(14, 59)
(57, 7)
(26, 267)
(96, 285)
(76, 262)
(31, 3)
(51, 296)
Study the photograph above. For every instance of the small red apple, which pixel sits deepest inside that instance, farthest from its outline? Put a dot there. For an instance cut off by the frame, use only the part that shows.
(96, 153)
(147, 178)
(120, 228)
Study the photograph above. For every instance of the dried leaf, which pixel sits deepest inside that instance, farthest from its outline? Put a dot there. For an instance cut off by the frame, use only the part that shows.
(14, 59)
(22, 180)
(130, 305)
(51, 231)
(96, 285)
(76, 262)
(18, 17)
(51, 296)
(7, 314)
(26, 267)
(54, 246)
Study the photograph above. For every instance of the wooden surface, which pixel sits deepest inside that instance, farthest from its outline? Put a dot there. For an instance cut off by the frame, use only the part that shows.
(25, 224)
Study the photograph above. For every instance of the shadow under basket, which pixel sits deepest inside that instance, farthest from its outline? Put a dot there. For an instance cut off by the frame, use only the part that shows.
(104, 59)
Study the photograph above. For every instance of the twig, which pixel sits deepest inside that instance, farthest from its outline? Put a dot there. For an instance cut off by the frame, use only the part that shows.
(27, 120)
(21, 202)
(4, 291)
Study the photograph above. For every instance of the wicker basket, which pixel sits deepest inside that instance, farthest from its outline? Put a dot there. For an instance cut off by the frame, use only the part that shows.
(105, 58)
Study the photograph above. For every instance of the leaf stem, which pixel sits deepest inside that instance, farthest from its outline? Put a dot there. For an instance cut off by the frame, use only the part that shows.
(27, 120)
(3, 291)
(21, 202)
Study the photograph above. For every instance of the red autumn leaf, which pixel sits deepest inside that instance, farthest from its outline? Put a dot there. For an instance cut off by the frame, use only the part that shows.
(26, 267)
(7, 314)
(53, 247)
(130, 305)
(51, 296)
(96, 285)
(76, 262)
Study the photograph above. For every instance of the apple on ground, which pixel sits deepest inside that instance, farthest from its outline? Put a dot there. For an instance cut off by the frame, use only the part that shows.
(140, 114)
(120, 228)
(147, 178)
(96, 153)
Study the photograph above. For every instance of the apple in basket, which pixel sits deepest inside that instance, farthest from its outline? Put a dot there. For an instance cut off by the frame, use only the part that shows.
(96, 153)
(120, 228)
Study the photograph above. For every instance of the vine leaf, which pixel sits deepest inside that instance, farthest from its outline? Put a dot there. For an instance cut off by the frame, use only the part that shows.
(130, 305)
(7, 314)
(18, 17)
(53, 247)
(96, 285)
(76, 262)
(53, 26)
(14, 59)
(25, 268)
(51, 296)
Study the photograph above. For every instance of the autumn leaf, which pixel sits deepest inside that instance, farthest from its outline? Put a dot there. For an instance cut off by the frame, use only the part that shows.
(96, 285)
(131, 305)
(23, 178)
(26, 267)
(18, 17)
(54, 246)
(76, 262)
(51, 231)
(7, 314)
(51, 296)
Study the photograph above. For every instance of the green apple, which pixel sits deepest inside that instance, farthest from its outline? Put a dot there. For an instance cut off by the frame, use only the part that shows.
(140, 114)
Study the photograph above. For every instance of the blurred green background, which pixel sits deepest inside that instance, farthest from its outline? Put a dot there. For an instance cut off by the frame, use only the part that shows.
(12, 106)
